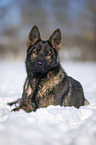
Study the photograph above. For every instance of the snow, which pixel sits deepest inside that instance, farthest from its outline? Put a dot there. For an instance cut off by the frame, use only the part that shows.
(53, 125)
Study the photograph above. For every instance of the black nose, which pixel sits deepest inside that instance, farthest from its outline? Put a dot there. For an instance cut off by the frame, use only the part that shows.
(39, 63)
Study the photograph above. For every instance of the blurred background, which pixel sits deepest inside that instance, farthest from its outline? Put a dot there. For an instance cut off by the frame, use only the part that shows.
(75, 18)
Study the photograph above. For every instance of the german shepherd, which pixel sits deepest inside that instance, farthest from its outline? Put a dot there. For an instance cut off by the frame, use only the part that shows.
(47, 83)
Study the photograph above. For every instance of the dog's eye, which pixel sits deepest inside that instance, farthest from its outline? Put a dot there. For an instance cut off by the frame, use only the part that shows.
(35, 52)
(47, 53)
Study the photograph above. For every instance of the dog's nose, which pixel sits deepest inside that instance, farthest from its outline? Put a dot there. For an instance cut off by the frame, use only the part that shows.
(39, 63)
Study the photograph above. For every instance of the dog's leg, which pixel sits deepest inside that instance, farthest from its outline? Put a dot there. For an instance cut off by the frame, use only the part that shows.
(15, 102)
(16, 109)
(26, 107)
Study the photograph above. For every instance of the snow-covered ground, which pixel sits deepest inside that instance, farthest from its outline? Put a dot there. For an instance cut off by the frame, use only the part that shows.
(53, 125)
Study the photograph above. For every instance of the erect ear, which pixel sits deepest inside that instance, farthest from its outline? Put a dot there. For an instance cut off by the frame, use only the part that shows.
(34, 36)
(55, 40)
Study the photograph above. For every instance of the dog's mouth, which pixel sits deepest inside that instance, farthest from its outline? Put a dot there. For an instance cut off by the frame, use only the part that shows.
(39, 69)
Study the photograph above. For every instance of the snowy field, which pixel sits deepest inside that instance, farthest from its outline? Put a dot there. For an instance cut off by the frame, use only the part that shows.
(53, 125)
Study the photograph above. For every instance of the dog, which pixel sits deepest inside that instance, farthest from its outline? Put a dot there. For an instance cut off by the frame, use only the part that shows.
(47, 83)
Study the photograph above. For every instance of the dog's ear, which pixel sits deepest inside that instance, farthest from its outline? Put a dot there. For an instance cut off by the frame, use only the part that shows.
(55, 40)
(34, 36)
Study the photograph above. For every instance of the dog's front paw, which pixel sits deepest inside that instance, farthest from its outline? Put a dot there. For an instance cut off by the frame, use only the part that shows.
(15, 109)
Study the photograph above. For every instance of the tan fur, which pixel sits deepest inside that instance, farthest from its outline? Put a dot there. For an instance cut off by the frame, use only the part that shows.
(29, 90)
(58, 47)
(86, 102)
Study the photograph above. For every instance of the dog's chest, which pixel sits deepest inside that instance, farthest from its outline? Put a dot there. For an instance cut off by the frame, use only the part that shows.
(45, 85)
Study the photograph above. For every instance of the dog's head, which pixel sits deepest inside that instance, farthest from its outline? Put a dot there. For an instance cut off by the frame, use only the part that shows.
(42, 56)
